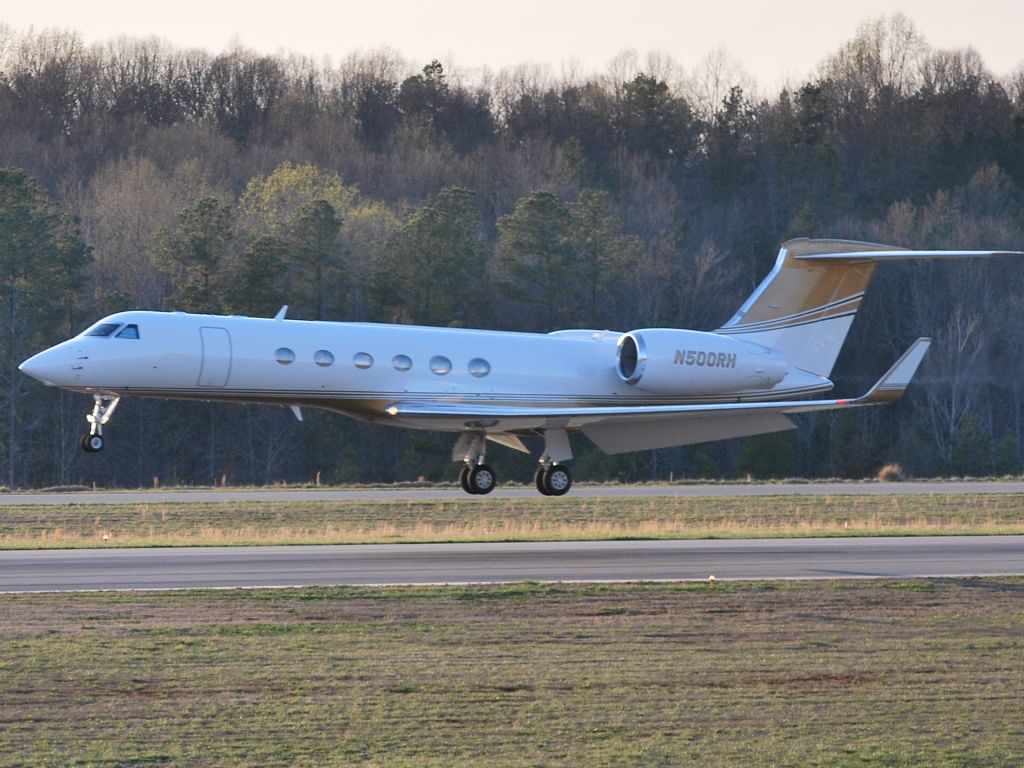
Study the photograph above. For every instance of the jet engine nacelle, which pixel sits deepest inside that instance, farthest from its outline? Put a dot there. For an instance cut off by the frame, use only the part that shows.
(677, 362)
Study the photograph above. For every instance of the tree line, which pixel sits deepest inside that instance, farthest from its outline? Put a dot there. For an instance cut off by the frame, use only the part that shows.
(138, 175)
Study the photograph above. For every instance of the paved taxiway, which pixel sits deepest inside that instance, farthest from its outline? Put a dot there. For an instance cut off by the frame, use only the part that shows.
(887, 557)
(446, 494)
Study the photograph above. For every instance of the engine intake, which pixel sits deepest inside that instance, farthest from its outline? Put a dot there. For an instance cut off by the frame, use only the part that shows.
(632, 358)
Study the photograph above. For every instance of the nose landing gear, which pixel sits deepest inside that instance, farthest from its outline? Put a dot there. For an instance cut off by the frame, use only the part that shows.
(103, 408)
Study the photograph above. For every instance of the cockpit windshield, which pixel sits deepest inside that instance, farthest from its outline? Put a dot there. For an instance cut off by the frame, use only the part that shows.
(118, 330)
(102, 329)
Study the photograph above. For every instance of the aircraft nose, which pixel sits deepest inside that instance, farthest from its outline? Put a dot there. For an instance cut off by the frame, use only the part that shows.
(49, 367)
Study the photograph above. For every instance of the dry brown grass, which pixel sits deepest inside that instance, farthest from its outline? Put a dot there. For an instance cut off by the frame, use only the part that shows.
(890, 473)
(330, 522)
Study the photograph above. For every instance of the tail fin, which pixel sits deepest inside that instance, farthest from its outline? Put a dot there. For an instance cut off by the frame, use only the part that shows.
(805, 306)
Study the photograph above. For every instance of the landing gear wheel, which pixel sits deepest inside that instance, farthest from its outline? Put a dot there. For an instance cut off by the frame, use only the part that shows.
(538, 480)
(481, 479)
(464, 479)
(92, 443)
(555, 480)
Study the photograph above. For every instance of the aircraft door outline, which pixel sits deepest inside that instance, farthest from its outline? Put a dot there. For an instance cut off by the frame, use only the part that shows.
(216, 366)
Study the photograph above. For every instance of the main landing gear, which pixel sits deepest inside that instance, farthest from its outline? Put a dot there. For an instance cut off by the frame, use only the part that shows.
(103, 408)
(478, 478)
(553, 480)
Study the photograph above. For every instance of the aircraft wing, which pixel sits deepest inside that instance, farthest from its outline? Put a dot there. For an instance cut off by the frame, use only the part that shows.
(619, 429)
(902, 254)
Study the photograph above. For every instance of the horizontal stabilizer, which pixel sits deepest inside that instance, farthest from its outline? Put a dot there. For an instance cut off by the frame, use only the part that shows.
(805, 307)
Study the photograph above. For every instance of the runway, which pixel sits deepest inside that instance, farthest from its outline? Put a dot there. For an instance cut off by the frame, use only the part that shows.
(453, 493)
(223, 567)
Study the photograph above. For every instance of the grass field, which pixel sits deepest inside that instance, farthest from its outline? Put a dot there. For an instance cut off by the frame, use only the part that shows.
(322, 522)
(824, 674)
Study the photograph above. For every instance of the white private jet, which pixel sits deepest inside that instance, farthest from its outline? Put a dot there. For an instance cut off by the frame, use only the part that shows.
(645, 389)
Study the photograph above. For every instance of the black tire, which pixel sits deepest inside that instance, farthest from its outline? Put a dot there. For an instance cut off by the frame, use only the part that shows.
(464, 479)
(92, 443)
(482, 479)
(540, 480)
(557, 480)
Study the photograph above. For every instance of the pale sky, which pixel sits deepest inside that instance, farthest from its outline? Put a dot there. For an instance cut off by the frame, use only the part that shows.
(774, 40)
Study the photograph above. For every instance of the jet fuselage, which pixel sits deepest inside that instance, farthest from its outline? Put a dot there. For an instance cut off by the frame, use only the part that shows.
(360, 368)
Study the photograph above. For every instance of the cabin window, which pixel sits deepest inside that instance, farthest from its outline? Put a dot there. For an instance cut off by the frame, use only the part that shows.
(362, 360)
(129, 332)
(440, 365)
(102, 329)
(401, 362)
(323, 358)
(479, 367)
(284, 356)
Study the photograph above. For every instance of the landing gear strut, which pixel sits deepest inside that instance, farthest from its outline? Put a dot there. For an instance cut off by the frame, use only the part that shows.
(552, 478)
(103, 408)
(476, 478)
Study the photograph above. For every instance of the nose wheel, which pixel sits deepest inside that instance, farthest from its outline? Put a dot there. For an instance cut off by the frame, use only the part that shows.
(92, 443)
(103, 408)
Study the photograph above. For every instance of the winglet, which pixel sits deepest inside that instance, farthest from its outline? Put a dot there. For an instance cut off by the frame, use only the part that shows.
(892, 385)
